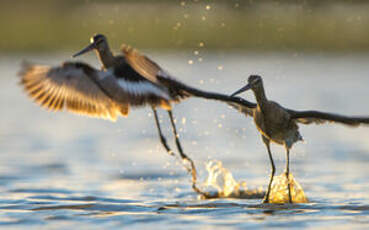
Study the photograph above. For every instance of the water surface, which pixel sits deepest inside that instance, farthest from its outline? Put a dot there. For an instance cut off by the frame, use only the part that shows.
(60, 170)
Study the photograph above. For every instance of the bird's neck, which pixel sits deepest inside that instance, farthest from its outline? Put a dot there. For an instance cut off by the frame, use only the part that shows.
(260, 96)
(106, 57)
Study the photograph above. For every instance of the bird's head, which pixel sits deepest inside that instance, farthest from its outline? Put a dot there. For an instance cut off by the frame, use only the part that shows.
(254, 82)
(97, 42)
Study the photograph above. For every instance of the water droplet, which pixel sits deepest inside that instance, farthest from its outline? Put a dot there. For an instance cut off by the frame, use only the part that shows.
(183, 3)
(190, 62)
(208, 7)
(177, 26)
(220, 67)
(183, 120)
(199, 59)
(201, 44)
(196, 52)
(203, 18)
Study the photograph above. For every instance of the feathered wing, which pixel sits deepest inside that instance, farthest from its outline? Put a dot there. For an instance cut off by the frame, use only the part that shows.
(248, 111)
(177, 90)
(154, 73)
(317, 117)
(72, 86)
(141, 64)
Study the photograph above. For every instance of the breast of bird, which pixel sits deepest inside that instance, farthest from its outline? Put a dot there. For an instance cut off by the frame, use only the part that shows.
(277, 121)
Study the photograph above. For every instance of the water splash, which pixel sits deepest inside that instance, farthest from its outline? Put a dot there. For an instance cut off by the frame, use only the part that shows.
(221, 180)
(279, 191)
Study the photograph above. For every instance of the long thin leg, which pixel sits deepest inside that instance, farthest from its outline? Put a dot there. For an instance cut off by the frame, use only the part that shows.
(287, 174)
(162, 138)
(179, 146)
(184, 157)
(267, 144)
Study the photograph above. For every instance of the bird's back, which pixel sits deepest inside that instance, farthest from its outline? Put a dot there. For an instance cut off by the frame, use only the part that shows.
(122, 70)
(137, 67)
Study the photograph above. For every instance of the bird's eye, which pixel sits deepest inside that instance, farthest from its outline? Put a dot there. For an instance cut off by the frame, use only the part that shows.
(255, 81)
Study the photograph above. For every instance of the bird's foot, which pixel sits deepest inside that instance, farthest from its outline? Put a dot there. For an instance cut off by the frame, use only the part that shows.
(289, 187)
(289, 194)
(266, 200)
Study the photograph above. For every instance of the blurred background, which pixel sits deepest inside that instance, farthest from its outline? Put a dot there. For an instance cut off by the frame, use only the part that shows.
(240, 25)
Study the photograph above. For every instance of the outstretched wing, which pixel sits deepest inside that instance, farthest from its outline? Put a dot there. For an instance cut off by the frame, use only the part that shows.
(248, 111)
(308, 117)
(72, 86)
(142, 64)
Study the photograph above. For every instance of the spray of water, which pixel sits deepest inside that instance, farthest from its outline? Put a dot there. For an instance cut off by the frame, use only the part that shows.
(221, 184)
(279, 192)
(222, 180)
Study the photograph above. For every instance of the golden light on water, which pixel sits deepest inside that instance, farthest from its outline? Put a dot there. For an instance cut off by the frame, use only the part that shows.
(221, 180)
(279, 192)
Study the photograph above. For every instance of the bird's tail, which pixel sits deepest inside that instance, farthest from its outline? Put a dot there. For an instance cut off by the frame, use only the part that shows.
(182, 90)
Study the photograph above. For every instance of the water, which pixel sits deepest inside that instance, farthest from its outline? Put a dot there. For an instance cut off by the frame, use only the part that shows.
(59, 171)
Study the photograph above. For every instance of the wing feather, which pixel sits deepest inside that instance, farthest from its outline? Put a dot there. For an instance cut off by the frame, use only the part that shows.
(72, 86)
(141, 64)
(241, 108)
(317, 117)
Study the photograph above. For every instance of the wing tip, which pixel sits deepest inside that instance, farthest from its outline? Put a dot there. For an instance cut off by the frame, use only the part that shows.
(26, 66)
(126, 49)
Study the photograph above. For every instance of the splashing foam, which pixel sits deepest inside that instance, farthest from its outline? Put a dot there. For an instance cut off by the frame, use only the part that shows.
(279, 191)
(221, 180)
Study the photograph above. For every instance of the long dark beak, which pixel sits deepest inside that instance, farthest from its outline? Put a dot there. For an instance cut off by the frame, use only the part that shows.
(85, 50)
(243, 89)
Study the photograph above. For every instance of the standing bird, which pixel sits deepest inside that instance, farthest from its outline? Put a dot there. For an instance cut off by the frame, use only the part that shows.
(279, 125)
(125, 80)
